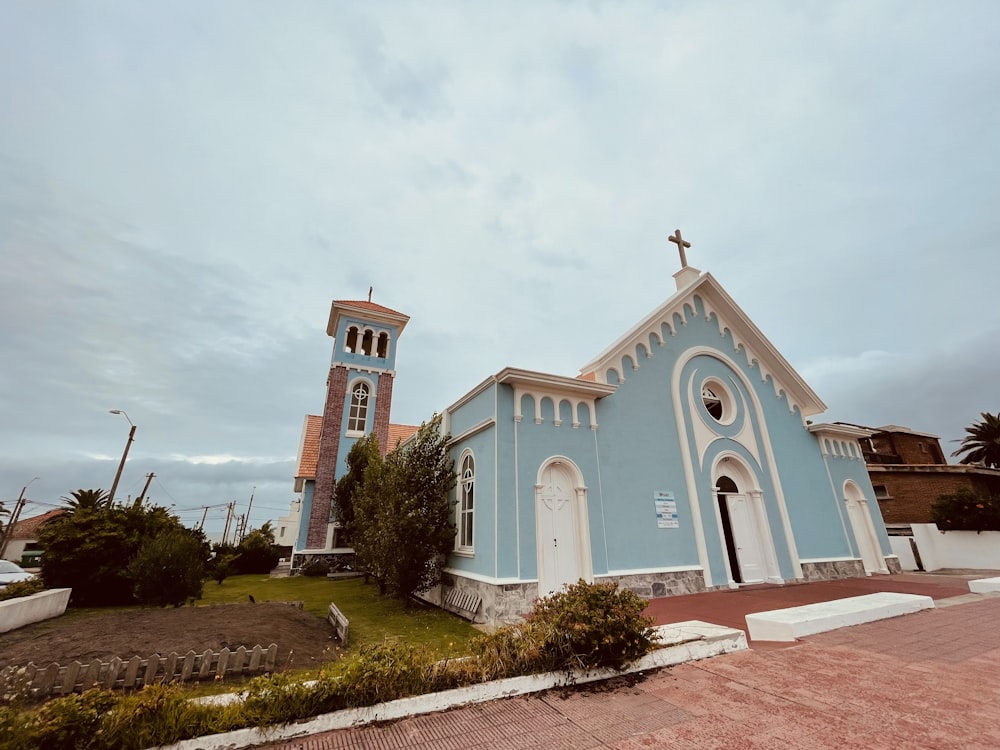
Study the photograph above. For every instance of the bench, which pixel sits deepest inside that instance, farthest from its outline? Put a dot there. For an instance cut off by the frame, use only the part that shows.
(465, 603)
(340, 623)
(808, 619)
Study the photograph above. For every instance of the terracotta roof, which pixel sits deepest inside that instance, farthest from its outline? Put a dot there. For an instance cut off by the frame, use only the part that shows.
(309, 451)
(28, 527)
(400, 433)
(591, 376)
(365, 305)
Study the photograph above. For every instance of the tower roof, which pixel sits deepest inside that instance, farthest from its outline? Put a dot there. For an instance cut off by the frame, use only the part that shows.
(366, 310)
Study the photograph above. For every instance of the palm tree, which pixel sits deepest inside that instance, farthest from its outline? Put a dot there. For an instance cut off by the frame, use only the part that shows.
(88, 500)
(982, 444)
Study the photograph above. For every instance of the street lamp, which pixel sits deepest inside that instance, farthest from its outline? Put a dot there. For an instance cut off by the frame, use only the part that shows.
(128, 444)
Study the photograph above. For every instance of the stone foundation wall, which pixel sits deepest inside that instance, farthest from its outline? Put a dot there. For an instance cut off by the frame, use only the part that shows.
(335, 560)
(832, 569)
(893, 564)
(656, 585)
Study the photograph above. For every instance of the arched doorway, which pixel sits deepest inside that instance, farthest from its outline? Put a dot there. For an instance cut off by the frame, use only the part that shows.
(561, 528)
(743, 526)
(864, 529)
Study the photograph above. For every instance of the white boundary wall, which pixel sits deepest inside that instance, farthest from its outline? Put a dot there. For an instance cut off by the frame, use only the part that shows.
(953, 549)
(16, 613)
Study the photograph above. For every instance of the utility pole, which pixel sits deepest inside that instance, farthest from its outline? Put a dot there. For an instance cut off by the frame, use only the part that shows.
(149, 479)
(201, 526)
(236, 535)
(128, 444)
(229, 517)
(15, 514)
(246, 518)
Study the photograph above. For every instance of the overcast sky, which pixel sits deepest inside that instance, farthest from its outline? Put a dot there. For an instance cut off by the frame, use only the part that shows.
(185, 187)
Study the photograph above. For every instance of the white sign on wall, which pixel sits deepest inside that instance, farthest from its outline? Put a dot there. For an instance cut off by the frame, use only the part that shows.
(666, 510)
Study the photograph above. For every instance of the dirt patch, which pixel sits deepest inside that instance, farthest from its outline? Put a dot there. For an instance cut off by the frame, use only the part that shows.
(142, 632)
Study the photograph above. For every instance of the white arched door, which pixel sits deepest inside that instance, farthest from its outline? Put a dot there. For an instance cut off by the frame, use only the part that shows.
(560, 527)
(863, 529)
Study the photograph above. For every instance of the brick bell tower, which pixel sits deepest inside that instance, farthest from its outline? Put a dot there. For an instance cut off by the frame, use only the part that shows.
(358, 397)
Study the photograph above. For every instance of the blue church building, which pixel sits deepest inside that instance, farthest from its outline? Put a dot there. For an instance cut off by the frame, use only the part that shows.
(684, 457)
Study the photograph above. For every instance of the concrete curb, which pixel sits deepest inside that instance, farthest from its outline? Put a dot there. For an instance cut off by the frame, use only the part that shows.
(684, 642)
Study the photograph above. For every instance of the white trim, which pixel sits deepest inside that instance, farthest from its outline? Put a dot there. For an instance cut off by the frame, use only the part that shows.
(474, 430)
(646, 571)
(745, 334)
(476, 390)
(465, 550)
(828, 559)
(486, 579)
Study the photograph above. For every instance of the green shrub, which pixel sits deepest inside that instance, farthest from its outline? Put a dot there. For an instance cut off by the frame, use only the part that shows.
(966, 511)
(586, 625)
(168, 570)
(316, 568)
(386, 671)
(22, 588)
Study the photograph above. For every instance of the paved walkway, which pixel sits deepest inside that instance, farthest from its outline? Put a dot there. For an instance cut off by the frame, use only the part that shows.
(927, 680)
(731, 607)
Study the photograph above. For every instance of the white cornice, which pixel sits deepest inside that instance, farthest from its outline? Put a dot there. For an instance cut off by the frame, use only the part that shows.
(345, 309)
(757, 349)
(555, 383)
(839, 431)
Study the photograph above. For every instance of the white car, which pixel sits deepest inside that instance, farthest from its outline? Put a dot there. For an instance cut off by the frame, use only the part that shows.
(11, 573)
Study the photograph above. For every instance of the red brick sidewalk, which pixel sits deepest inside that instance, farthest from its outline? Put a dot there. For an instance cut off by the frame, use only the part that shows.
(927, 680)
(730, 608)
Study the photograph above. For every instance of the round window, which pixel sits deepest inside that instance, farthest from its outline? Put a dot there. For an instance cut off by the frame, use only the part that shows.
(718, 402)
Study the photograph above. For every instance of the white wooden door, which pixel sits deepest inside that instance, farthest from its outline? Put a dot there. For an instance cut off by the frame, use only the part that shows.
(745, 537)
(557, 527)
(864, 535)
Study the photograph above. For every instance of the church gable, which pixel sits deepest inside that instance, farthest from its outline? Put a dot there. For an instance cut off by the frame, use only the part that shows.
(706, 298)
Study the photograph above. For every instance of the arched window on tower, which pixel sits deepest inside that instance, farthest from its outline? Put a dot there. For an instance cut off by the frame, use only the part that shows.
(357, 418)
(467, 489)
(366, 343)
(383, 345)
(352, 339)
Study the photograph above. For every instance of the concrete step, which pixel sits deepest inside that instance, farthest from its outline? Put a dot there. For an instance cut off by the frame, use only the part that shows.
(808, 619)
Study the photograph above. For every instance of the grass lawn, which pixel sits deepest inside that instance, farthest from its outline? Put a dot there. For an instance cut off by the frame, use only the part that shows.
(373, 618)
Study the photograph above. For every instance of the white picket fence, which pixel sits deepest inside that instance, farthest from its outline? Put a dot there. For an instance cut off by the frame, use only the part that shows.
(43, 681)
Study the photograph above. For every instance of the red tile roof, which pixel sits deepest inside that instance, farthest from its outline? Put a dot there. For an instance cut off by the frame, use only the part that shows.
(28, 527)
(400, 433)
(309, 453)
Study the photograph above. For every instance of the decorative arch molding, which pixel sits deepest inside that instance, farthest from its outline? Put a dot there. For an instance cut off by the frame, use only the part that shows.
(575, 392)
(755, 414)
(863, 528)
(561, 512)
(707, 298)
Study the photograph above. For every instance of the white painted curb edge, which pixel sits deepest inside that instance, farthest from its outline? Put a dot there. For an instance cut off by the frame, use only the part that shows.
(704, 641)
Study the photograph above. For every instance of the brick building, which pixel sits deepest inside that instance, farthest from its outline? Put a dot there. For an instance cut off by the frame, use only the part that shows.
(909, 472)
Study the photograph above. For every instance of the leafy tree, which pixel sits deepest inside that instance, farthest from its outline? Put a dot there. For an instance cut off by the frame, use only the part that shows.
(364, 451)
(168, 570)
(90, 547)
(403, 514)
(982, 444)
(373, 539)
(964, 510)
(257, 553)
(425, 476)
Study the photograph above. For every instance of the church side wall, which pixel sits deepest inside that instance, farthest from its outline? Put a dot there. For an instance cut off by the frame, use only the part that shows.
(535, 444)
(844, 468)
(641, 455)
(481, 562)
